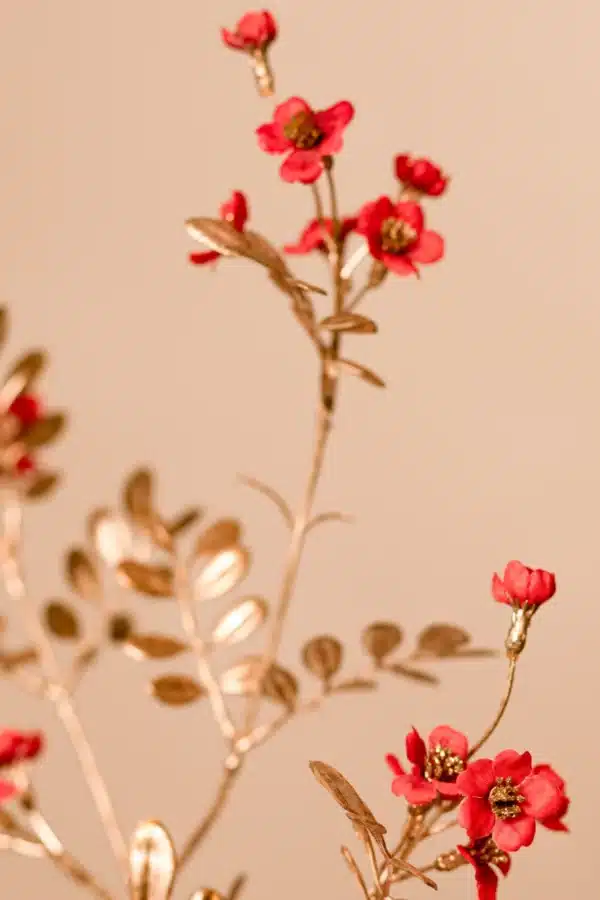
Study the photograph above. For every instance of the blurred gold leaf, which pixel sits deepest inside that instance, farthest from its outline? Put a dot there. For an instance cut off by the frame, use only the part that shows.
(221, 535)
(3, 325)
(259, 249)
(380, 639)
(347, 797)
(154, 646)
(414, 674)
(356, 684)
(280, 686)
(322, 656)
(159, 532)
(442, 640)
(272, 495)
(137, 493)
(81, 575)
(307, 286)
(110, 535)
(120, 628)
(61, 621)
(22, 375)
(207, 894)
(153, 581)
(14, 659)
(349, 322)
(353, 368)
(241, 679)
(176, 690)
(152, 862)
(240, 621)
(184, 521)
(42, 485)
(219, 573)
(44, 431)
(218, 235)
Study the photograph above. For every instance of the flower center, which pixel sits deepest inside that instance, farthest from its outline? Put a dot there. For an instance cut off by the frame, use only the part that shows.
(505, 799)
(486, 851)
(302, 130)
(443, 765)
(397, 236)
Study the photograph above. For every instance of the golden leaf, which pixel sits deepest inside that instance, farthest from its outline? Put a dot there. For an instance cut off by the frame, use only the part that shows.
(380, 639)
(442, 640)
(176, 690)
(220, 572)
(137, 494)
(81, 575)
(22, 376)
(120, 628)
(153, 646)
(153, 581)
(262, 251)
(42, 484)
(307, 286)
(158, 532)
(241, 679)
(184, 521)
(218, 235)
(152, 862)
(17, 658)
(347, 797)
(410, 672)
(280, 686)
(61, 621)
(44, 431)
(3, 325)
(240, 621)
(356, 684)
(349, 322)
(354, 368)
(219, 536)
(322, 656)
(207, 894)
(110, 535)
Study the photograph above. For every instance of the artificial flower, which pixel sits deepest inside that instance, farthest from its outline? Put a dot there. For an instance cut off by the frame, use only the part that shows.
(397, 236)
(435, 765)
(235, 211)
(555, 821)
(522, 586)
(306, 135)
(24, 411)
(505, 799)
(311, 237)
(254, 31)
(482, 854)
(17, 746)
(420, 174)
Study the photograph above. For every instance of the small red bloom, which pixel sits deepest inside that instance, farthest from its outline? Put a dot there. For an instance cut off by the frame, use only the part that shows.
(435, 765)
(25, 464)
(555, 822)
(17, 746)
(311, 237)
(482, 855)
(306, 135)
(26, 408)
(505, 799)
(7, 790)
(254, 31)
(522, 586)
(397, 236)
(421, 174)
(235, 211)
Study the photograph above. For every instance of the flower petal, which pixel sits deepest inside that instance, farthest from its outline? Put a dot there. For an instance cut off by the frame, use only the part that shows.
(304, 166)
(542, 586)
(235, 210)
(447, 788)
(428, 249)
(412, 214)
(271, 138)
(510, 764)
(486, 881)
(399, 265)
(311, 238)
(477, 779)
(201, 259)
(455, 741)
(499, 592)
(543, 798)
(512, 834)
(232, 39)
(394, 764)
(516, 579)
(335, 117)
(476, 817)
(288, 109)
(416, 750)
(415, 788)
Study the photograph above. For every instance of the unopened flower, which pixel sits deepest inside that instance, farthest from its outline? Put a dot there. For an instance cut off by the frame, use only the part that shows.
(235, 211)
(420, 174)
(306, 135)
(254, 31)
(18, 746)
(522, 586)
(435, 765)
(504, 799)
(484, 855)
(555, 821)
(397, 236)
(311, 238)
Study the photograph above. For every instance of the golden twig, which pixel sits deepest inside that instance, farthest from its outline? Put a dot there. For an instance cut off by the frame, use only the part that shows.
(512, 669)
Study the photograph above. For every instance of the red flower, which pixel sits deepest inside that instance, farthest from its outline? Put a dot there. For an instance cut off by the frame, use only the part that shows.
(522, 586)
(306, 135)
(17, 746)
(505, 799)
(554, 822)
(311, 237)
(397, 236)
(435, 765)
(27, 408)
(421, 174)
(7, 790)
(254, 31)
(483, 854)
(234, 211)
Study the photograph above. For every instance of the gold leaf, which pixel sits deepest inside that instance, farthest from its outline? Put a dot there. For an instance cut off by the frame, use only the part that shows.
(42, 485)
(120, 628)
(415, 674)
(218, 235)
(153, 581)
(44, 431)
(110, 535)
(184, 521)
(356, 684)
(176, 690)
(3, 325)
(280, 686)
(17, 658)
(219, 573)
(137, 494)
(240, 621)
(81, 575)
(152, 862)
(322, 656)
(354, 368)
(159, 532)
(153, 646)
(219, 536)
(349, 322)
(380, 639)
(22, 376)
(442, 640)
(61, 621)
(272, 495)
(476, 653)
(347, 797)
(207, 894)
(307, 286)
(241, 679)
(259, 249)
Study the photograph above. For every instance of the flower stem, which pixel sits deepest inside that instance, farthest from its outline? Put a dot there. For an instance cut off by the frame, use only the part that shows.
(512, 669)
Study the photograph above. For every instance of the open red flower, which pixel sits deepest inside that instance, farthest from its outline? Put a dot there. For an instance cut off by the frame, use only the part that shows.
(308, 136)
(435, 765)
(311, 237)
(254, 31)
(555, 821)
(522, 586)
(482, 855)
(235, 211)
(505, 799)
(17, 746)
(420, 174)
(397, 236)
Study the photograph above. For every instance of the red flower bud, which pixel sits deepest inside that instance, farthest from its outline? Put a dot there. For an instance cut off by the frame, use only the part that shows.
(16, 746)
(522, 586)
(421, 174)
(254, 31)
(26, 408)
(25, 465)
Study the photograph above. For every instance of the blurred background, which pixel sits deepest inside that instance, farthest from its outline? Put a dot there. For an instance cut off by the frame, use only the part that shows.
(119, 121)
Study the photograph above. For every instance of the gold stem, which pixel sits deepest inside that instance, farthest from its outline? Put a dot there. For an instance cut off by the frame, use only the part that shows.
(377, 886)
(431, 867)
(57, 692)
(228, 779)
(353, 866)
(358, 297)
(512, 669)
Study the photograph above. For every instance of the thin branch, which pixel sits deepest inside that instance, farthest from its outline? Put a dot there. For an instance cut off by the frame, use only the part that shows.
(512, 669)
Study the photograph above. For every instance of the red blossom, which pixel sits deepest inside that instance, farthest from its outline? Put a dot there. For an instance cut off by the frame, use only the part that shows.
(311, 237)
(25, 464)
(555, 821)
(522, 586)
(306, 135)
(235, 211)
(17, 746)
(254, 31)
(27, 408)
(504, 798)
(482, 854)
(420, 174)
(435, 765)
(397, 236)
(7, 790)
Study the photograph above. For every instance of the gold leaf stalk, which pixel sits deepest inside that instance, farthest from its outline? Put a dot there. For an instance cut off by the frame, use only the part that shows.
(152, 862)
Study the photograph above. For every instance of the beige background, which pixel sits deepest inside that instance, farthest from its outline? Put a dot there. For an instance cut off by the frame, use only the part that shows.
(119, 120)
